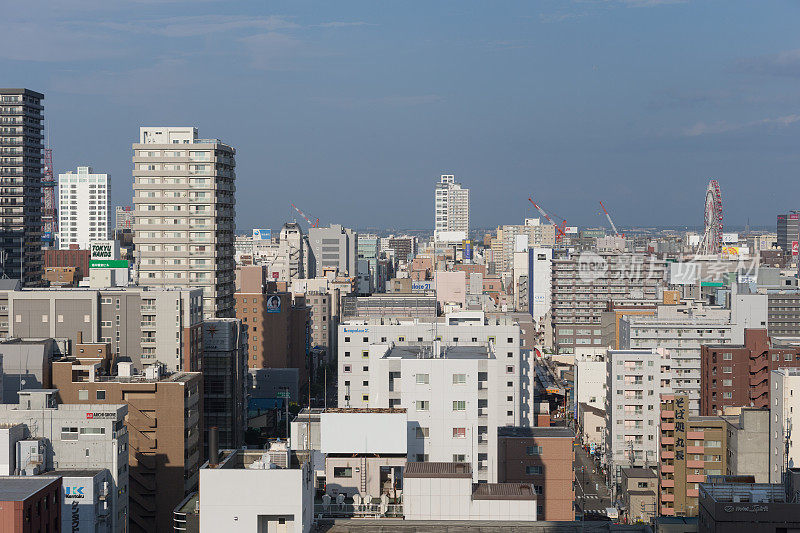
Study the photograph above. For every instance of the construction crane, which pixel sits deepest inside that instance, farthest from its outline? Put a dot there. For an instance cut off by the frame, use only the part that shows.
(314, 224)
(559, 229)
(617, 233)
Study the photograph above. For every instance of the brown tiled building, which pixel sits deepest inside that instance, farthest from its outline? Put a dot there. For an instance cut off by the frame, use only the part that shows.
(164, 425)
(69, 258)
(543, 457)
(278, 329)
(738, 375)
(30, 504)
(691, 449)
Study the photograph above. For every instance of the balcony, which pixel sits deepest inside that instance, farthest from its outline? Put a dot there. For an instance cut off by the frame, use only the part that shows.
(695, 464)
(695, 449)
(667, 454)
(668, 483)
(695, 478)
(667, 426)
(667, 440)
(695, 435)
(692, 493)
(667, 497)
(668, 414)
(668, 469)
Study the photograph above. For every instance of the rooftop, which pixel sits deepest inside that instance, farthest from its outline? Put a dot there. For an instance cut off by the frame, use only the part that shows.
(639, 472)
(364, 410)
(20, 488)
(426, 351)
(66, 472)
(744, 492)
(533, 432)
(502, 491)
(438, 470)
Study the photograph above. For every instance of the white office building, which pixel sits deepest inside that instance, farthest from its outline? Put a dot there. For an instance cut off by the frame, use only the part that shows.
(451, 203)
(184, 214)
(783, 383)
(635, 381)
(459, 379)
(83, 214)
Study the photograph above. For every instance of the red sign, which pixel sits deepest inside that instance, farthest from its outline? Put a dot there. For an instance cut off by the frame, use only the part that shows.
(275, 275)
(89, 416)
(794, 217)
(795, 248)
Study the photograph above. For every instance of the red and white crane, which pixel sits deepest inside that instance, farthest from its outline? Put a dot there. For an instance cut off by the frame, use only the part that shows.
(617, 233)
(560, 234)
(314, 224)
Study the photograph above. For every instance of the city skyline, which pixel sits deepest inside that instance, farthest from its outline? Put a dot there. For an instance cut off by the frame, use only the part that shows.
(545, 100)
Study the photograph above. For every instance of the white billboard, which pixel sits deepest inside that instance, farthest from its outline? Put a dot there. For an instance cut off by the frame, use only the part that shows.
(363, 432)
(730, 238)
(571, 229)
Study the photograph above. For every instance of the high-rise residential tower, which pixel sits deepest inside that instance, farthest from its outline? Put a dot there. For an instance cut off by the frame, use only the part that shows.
(21, 145)
(184, 209)
(452, 210)
(83, 214)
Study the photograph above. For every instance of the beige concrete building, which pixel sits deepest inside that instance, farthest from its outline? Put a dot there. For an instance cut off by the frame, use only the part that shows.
(184, 214)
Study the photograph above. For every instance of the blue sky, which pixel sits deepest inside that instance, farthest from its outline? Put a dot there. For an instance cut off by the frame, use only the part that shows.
(351, 110)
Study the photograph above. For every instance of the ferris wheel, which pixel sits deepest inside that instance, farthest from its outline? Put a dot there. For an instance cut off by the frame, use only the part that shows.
(712, 234)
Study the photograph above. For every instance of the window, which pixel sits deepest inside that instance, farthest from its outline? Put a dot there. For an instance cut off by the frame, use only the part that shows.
(459, 458)
(423, 405)
(533, 470)
(347, 368)
(365, 354)
(459, 405)
(365, 397)
(510, 369)
(533, 450)
(347, 339)
(510, 340)
(69, 433)
(459, 433)
(342, 471)
(423, 379)
(101, 395)
(93, 431)
(422, 433)
(83, 394)
(365, 339)
(401, 339)
(347, 354)
(459, 379)
(727, 370)
(422, 457)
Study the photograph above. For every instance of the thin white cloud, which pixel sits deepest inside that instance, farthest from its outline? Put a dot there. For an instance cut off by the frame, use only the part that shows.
(193, 26)
(785, 63)
(722, 126)
(390, 100)
(32, 41)
(340, 24)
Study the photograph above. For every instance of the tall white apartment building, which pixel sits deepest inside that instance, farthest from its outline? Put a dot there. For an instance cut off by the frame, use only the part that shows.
(83, 214)
(783, 428)
(452, 210)
(459, 380)
(635, 381)
(184, 210)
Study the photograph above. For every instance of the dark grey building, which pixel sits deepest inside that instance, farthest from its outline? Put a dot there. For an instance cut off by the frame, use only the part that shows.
(788, 230)
(21, 146)
(26, 365)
